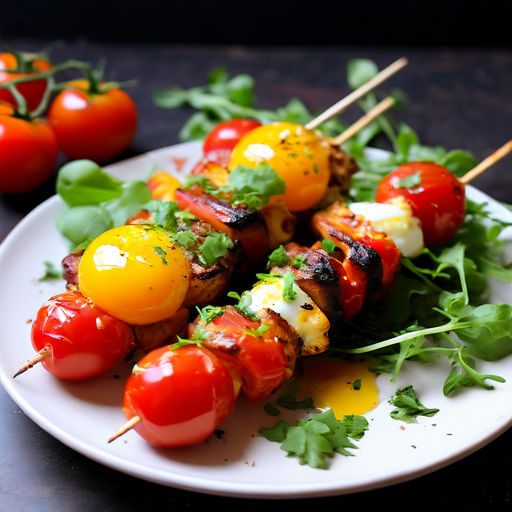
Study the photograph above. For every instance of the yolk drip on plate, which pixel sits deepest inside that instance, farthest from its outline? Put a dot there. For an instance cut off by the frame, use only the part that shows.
(345, 387)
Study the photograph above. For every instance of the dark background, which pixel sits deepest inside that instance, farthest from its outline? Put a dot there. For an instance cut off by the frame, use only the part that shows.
(459, 83)
(305, 22)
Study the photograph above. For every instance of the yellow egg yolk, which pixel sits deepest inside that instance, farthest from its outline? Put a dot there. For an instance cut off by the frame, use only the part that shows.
(298, 155)
(345, 387)
(135, 273)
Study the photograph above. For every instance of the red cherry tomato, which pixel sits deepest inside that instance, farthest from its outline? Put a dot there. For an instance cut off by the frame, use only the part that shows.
(28, 153)
(93, 126)
(437, 199)
(181, 396)
(224, 137)
(80, 339)
(32, 91)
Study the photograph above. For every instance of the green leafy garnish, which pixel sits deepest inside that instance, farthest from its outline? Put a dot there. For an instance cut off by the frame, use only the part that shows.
(200, 334)
(328, 245)
(408, 406)
(214, 247)
(289, 292)
(161, 252)
(50, 272)
(210, 313)
(257, 333)
(299, 261)
(318, 437)
(408, 181)
(278, 258)
(244, 303)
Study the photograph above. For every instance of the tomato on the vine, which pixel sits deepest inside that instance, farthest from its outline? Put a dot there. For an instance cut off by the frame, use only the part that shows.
(180, 396)
(28, 152)
(436, 197)
(77, 340)
(93, 124)
(32, 91)
(224, 137)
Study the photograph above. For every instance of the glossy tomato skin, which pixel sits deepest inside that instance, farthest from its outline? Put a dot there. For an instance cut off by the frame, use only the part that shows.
(32, 91)
(224, 137)
(181, 395)
(83, 340)
(28, 153)
(93, 126)
(438, 200)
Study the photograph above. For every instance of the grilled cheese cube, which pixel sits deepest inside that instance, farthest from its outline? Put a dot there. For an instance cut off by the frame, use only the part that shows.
(394, 218)
(301, 313)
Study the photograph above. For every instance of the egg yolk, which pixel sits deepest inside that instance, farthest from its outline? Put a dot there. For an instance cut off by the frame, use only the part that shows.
(135, 273)
(345, 387)
(298, 155)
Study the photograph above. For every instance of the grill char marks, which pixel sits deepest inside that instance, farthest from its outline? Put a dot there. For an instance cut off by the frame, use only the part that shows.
(319, 279)
(364, 257)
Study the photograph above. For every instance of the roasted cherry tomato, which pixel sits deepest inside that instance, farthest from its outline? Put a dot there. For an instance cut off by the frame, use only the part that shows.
(224, 137)
(77, 340)
(28, 152)
(136, 273)
(32, 91)
(298, 155)
(264, 361)
(181, 396)
(435, 195)
(162, 186)
(97, 126)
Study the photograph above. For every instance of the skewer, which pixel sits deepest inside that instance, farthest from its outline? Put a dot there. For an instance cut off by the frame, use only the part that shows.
(126, 427)
(37, 358)
(370, 116)
(344, 103)
(487, 162)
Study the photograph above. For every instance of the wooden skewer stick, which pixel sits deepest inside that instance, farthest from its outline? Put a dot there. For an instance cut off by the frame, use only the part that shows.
(370, 116)
(37, 358)
(126, 427)
(344, 103)
(486, 163)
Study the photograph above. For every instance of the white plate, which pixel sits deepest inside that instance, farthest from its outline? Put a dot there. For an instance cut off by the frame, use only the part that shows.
(84, 415)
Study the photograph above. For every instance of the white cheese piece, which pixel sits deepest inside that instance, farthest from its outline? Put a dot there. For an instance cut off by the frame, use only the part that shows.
(394, 218)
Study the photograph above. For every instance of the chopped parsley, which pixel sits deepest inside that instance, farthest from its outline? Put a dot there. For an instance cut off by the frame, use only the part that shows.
(278, 258)
(50, 272)
(210, 313)
(299, 261)
(257, 333)
(318, 437)
(244, 303)
(289, 292)
(328, 245)
(214, 247)
(408, 406)
(161, 252)
(408, 181)
(200, 334)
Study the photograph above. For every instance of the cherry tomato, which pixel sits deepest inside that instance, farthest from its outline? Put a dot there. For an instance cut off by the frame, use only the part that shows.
(436, 197)
(224, 137)
(28, 153)
(136, 273)
(81, 340)
(32, 91)
(94, 126)
(162, 186)
(299, 156)
(181, 396)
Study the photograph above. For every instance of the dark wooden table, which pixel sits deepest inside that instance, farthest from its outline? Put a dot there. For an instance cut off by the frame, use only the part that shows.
(457, 98)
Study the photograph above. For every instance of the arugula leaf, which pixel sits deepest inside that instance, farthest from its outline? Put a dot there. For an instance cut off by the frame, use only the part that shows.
(82, 223)
(408, 406)
(321, 435)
